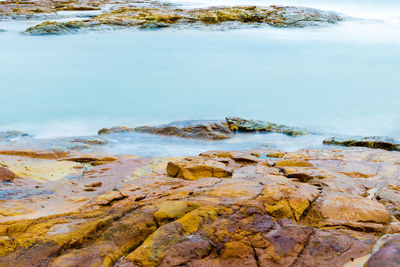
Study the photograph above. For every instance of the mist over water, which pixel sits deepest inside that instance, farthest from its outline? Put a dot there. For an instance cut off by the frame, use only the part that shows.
(341, 79)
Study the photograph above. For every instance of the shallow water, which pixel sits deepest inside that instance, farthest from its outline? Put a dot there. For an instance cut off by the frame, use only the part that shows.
(340, 79)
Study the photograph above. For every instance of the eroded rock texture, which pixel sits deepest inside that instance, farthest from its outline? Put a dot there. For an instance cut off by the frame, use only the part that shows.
(221, 208)
(160, 16)
(210, 130)
(380, 142)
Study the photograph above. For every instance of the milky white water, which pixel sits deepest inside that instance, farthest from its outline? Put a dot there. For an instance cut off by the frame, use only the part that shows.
(341, 79)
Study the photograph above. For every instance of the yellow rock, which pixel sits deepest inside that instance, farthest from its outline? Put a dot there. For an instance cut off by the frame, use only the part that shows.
(107, 198)
(14, 211)
(197, 168)
(41, 169)
(150, 253)
(338, 209)
(293, 163)
(192, 221)
(288, 200)
(170, 210)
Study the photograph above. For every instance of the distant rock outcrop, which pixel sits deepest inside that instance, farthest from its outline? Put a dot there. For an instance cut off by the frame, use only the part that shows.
(155, 17)
(380, 142)
(210, 130)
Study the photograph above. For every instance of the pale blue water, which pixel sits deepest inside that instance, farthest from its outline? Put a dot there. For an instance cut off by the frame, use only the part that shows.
(341, 79)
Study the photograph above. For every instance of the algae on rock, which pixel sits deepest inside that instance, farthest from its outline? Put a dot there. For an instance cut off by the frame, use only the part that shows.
(53, 27)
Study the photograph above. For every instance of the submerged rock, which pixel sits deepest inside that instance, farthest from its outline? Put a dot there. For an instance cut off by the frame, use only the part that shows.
(14, 194)
(9, 135)
(116, 129)
(380, 142)
(243, 125)
(53, 27)
(90, 141)
(91, 159)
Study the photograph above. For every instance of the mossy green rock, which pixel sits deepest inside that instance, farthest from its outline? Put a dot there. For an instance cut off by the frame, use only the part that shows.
(52, 27)
(243, 125)
(157, 17)
(380, 142)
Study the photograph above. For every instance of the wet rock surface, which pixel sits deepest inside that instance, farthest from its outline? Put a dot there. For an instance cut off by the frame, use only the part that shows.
(52, 27)
(379, 142)
(6, 174)
(155, 16)
(221, 208)
(210, 130)
(244, 125)
(9, 135)
(27, 9)
(388, 254)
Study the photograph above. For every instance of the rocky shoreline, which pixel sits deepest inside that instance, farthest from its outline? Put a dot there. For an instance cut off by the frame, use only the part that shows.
(156, 15)
(326, 207)
(237, 208)
(66, 202)
(212, 131)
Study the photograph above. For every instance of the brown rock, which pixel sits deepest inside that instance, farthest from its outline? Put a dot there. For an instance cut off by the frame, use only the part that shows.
(390, 197)
(116, 129)
(378, 142)
(122, 236)
(89, 189)
(35, 154)
(244, 125)
(96, 184)
(216, 236)
(293, 215)
(193, 169)
(388, 255)
(288, 200)
(92, 159)
(107, 198)
(210, 130)
(293, 163)
(6, 174)
(170, 210)
(329, 248)
(341, 210)
(238, 156)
